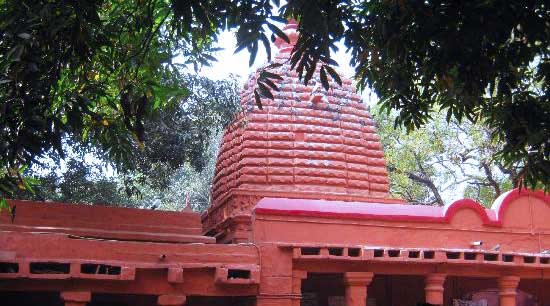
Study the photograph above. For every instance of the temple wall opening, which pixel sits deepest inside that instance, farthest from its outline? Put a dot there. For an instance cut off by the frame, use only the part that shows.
(327, 289)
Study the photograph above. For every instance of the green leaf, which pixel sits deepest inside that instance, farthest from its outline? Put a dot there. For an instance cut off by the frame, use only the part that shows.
(267, 46)
(270, 84)
(253, 50)
(324, 79)
(335, 76)
(309, 72)
(4, 205)
(240, 47)
(264, 91)
(258, 99)
(278, 32)
(273, 65)
(271, 75)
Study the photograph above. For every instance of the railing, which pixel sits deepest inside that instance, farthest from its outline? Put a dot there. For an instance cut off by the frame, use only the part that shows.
(388, 254)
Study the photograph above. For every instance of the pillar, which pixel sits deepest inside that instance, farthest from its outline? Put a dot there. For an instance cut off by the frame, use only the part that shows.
(297, 277)
(507, 286)
(282, 291)
(434, 288)
(171, 300)
(76, 298)
(356, 287)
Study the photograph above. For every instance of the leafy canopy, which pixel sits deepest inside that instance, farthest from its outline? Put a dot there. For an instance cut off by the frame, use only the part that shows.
(93, 71)
(482, 61)
(96, 70)
(174, 169)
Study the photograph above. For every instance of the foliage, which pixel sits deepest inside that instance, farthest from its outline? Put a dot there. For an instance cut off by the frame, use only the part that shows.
(88, 182)
(181, 136)
(96, 70)
(443, 161)
(74, 67)
(78, 184)
(178, 157)
(487, 61)
(90, 70)
(187, 187)
(482, 61)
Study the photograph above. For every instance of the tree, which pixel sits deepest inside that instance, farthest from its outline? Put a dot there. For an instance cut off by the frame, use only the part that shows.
(96, 70)
(482, 61)
(84, 182)
(89, 69)
(187, 187)
(182, 135)
(177, 158)
(429, 164)
(79, 183)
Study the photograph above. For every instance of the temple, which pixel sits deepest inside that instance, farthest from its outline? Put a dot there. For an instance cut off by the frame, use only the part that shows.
(301, 215)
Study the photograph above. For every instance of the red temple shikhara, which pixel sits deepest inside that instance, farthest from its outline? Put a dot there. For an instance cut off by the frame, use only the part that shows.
(301, 215)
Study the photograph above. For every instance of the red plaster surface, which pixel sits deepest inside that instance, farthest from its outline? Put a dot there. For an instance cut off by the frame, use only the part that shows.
(513, 233)
(145, 267)
(171, 300)
(105, 222)
(76, 296)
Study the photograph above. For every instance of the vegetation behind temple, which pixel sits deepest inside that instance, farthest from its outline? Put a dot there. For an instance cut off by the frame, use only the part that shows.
(444, 161)
(177, 158)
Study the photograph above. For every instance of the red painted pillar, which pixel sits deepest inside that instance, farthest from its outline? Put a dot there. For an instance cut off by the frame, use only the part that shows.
(508, 286)
(356, 287)
(297, 277)
(171, 300)
(434, 288)
(76, 298)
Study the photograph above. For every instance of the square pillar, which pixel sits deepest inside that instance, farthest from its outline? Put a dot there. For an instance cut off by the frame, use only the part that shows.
(297, 277)
(279, 290)
(76, 298)
(507, 286)
(356, 287)
(434, 288)
(171, 300)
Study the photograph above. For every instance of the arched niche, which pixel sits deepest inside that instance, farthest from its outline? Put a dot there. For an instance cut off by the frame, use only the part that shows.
(466, 218)
(466, 214)
(540, 212)
(516, 213)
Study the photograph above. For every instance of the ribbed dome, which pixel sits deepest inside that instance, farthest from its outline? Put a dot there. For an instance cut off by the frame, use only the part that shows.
(306, 140)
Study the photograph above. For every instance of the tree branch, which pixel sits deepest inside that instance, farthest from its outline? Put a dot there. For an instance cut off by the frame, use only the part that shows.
(422, 180)
(511, 172)
(489, 175)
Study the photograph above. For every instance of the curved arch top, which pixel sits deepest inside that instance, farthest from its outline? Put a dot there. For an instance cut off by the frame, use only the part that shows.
(396, 212)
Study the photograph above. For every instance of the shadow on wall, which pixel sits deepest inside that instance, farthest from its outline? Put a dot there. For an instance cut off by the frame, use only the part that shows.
(53, 299)
(489, 297)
